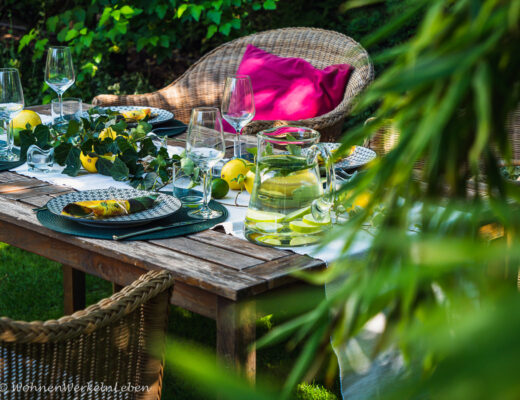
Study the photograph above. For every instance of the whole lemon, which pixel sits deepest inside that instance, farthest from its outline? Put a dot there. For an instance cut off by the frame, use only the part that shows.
(232, 171)
(108, 133)
(249, 181)
(20, 122)
(89, 160)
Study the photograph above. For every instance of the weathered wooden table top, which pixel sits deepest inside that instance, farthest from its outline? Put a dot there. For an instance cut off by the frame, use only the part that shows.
(212, 261)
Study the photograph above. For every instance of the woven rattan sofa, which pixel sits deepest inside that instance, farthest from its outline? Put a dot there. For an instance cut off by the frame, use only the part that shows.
(113, 342)
(203, 83)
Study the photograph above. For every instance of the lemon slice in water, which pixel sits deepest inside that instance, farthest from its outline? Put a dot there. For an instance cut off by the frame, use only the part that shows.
(309, 219)
(263, 216)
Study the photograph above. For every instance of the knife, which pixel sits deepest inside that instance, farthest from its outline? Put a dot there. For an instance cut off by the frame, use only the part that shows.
(156, 229)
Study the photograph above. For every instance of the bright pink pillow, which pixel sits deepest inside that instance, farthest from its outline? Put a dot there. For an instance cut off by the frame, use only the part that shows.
(291, 88)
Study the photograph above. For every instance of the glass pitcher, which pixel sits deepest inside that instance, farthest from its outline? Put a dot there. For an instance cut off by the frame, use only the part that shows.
(288, 205)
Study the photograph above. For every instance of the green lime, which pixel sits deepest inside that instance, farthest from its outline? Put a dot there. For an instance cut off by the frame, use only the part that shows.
(219, 188)
(263, 216)
(269, 227)
(270, 240)
(297, 214)
(309, 219)
(16, 136)
(303, 240)
(303, 227)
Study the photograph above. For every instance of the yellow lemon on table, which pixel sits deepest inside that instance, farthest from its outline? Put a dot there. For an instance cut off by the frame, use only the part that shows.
(108, 133)
(26, 117)
(20, 122)
(249, 180)
(234, 170)
(89, 160)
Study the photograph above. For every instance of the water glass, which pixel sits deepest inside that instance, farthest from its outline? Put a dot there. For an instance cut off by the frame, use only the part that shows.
(238, 106)
(184, 190)
(11, 103)
(59, 70)
(39, 159)
(205, 147)
(62, 113)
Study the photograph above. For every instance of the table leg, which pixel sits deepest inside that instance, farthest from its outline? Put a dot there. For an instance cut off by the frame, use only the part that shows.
(236, 332)
(73, 289)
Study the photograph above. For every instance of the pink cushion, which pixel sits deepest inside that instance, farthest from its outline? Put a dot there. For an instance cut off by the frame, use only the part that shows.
(291, 88)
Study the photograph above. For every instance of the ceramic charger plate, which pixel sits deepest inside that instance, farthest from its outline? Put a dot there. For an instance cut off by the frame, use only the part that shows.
(165, 206)
(160, 115)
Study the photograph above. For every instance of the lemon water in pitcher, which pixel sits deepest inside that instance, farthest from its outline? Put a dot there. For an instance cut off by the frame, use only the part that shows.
(288, 205)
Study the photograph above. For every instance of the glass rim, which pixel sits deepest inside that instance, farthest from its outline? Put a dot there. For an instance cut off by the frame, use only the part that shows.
(9, 69)
(58, 47)
(313, 134)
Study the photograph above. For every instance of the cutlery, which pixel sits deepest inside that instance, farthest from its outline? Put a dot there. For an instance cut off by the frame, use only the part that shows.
(156, 229)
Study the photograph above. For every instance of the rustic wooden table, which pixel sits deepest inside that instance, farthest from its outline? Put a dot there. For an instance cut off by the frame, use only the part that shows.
(217, 275)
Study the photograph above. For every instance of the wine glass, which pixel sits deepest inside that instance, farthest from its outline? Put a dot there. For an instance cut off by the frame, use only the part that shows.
(238, 106)
(205, 146)
(11, 103)
(59, 72)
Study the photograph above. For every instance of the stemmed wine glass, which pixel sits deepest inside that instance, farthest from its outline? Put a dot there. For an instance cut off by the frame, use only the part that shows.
(205, 146)
(59, 72)
(11, 103)
(238, 106)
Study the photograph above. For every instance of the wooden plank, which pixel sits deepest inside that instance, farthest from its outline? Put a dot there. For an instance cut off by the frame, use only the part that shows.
(195, 300)
(8, 187)
(236, 332)
(7, 176)
(73, 290)
(37, 201)
(278, 272)
(17, 220)
(219, 239)
(38, 191)
(205, 251)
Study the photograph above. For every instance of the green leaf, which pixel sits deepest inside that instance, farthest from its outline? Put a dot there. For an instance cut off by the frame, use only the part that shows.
(73, 128)
(126, 10)
(26, 140)
(212, 29)
(61, 152)
(104, 166)
(52, 23)
(182, 8)
(119, 171)
(214, 16)
(225, 29)
(160, 10)
(236, 23)
(256, 6)
(42, 135)
(105, 16)
(294, 149)
(269, 5)
(141, 43)
(72, 162)
(195, 11)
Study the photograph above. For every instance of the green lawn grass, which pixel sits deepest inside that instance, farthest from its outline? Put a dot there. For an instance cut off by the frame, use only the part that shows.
(31, 289)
